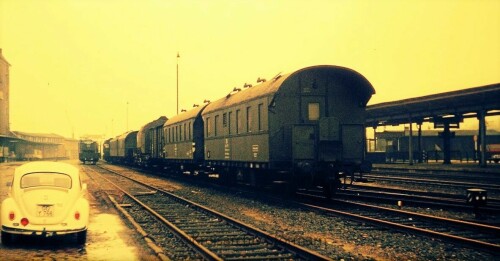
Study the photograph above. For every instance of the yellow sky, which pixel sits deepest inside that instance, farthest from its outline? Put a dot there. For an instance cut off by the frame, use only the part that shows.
(76, 64)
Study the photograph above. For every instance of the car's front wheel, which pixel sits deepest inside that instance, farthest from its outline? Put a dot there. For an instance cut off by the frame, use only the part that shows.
(81, 237)
(6, 238)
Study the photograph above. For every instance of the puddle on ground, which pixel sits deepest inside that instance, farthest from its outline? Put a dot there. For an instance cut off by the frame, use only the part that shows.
(108, 239)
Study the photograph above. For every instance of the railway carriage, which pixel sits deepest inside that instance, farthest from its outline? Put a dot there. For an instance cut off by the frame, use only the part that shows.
(150, 142)
(106, 150)
(123, 148)
(184, 142)
(304, 128)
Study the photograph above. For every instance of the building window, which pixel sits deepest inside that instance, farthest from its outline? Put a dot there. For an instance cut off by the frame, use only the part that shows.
(185, 137)
(224, 120)
(189, 131)
(313, 111)
(249, 119)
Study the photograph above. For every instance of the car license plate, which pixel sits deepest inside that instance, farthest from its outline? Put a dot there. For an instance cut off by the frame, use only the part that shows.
(45, 210)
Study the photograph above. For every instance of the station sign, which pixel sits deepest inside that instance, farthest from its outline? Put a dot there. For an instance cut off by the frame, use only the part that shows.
(452, 122)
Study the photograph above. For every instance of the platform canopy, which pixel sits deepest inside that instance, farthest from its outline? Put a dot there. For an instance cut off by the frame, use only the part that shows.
(466, 103)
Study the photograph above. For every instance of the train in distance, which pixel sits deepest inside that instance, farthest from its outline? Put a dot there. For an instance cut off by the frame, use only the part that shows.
(88, 151)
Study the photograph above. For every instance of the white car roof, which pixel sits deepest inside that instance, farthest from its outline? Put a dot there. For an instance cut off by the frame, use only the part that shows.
(47, 166)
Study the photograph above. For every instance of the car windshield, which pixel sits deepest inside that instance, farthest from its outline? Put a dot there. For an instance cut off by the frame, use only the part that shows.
(46, 179)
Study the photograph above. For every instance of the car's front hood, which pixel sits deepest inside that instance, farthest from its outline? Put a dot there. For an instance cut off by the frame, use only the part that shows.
(46, 206)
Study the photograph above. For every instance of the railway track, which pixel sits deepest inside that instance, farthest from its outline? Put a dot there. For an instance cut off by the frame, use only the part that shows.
(485, 178)
(416, 198)
(480, 236)
(434, 181)
(430, 169)
(441, 187)
(197, 232)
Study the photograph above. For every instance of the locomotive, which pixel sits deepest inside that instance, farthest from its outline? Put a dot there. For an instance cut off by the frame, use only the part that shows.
(303, 129)
(88, 151)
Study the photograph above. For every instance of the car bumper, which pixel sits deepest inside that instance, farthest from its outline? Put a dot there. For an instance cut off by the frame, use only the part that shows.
(44, 232)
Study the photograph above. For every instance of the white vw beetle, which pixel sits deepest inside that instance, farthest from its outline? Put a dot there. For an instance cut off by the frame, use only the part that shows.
(45, 199)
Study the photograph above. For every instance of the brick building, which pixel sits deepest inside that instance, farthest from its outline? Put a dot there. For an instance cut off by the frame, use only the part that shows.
(4, 96)
(7, 139)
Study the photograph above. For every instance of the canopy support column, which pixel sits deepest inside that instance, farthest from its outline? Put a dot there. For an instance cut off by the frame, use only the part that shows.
(410, 143)
(481, 115)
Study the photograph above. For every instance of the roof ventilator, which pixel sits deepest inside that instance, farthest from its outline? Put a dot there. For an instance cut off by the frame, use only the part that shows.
(261, 80)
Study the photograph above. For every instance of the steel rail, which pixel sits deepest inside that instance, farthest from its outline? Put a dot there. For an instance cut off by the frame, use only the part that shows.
(414, 200)
(298, 250)
(402, 227)
(206, 253)
(432, 181)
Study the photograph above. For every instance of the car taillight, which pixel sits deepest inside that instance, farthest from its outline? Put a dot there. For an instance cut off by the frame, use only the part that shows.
(12, 215)
(24, 222)
(77, 215)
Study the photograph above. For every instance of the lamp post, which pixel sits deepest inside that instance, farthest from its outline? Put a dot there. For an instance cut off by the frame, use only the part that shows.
(178, 56)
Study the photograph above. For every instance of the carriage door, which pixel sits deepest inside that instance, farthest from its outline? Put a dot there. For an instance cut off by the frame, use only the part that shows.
(303, 142)
(353, 141)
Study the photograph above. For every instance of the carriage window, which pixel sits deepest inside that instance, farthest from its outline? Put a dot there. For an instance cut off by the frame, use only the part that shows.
(259, 112)
(229, 121)
(209, 127)
(185, 137)
(215, 124)
(313, 111)
(238, 123)
(180, 133)
(249, 119)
